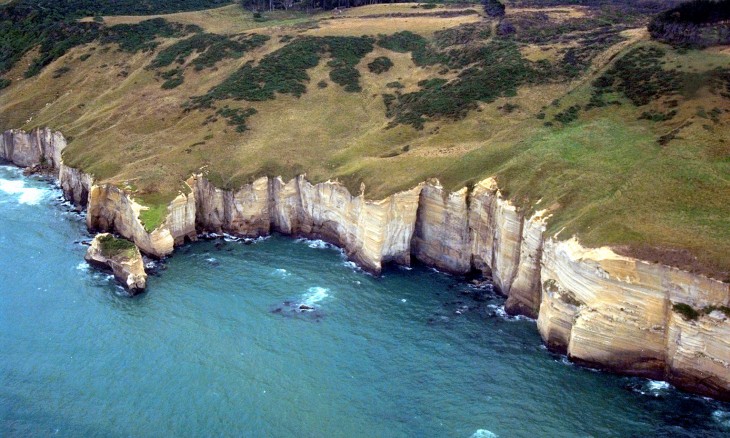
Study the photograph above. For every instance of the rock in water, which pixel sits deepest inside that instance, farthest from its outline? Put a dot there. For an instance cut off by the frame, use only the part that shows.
(122, 257)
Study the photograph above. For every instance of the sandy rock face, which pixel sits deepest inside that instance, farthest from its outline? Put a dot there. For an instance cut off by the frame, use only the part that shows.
(244, 212)
(699, 353)
(75, 184)
(441, 238)
(38, 147)
(126, 264)
(496, 232)
(525, 291)
(617, 313)
(370, 232)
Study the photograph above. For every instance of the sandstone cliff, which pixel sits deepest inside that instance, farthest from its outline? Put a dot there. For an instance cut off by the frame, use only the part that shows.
(370, 232)
(600, 308)
(122, 257)
(38, 147)
(617, 313)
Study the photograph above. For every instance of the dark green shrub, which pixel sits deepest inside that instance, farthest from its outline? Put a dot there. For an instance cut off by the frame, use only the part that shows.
(173, 82)
(237, 117)
(4, 83)
(568, 115)
(57, 73)
(696, 23)
(406, 41)
(639, 76)
(380, 64)
(211, 49)
(141, 36)
(285, 70)
(347, 77)
(687, 311)
(493, 8)
(656, 116)
(496, 71)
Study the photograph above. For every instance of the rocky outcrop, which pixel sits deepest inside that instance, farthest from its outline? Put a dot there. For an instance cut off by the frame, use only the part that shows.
(40, 147)
(600, 308)
(122, 257)
(111, 209)
(76, 185)
(616, 313)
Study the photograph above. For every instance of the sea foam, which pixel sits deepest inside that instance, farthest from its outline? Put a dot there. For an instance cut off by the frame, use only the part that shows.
(27, 195)
(314, 295)
(722, 417)
(484, 433)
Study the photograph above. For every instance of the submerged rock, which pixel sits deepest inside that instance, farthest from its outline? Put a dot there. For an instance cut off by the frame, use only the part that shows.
(122, 257)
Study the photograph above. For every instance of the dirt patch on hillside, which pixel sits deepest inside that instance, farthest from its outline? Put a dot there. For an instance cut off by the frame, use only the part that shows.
(679, 258)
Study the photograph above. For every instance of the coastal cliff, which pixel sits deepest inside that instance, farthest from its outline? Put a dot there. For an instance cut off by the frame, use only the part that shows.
(602, 309)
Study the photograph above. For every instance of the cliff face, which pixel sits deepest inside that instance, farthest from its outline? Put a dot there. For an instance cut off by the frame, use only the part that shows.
(441, 238)
(617, 313)
(75, 184)
(370, 232)
(38, 147)
(600, 308)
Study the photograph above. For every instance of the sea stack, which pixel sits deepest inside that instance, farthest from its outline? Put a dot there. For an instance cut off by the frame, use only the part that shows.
(122, 257)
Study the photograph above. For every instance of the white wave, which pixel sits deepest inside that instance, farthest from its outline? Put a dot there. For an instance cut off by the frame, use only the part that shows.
(281, 273)
(316, 243)
(314, 295)
(722, 417)
(500, 312)
(657, 385)
(211, 260)
(82, 266)
(654, 388)
(484, 433)
(27, 195)
(230, 238)
(352, 265)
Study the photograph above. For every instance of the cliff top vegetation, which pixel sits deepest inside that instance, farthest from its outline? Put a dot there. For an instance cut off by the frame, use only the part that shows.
(571, 105)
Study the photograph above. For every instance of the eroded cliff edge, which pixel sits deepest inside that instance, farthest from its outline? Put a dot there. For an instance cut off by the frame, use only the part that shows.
(602, 309)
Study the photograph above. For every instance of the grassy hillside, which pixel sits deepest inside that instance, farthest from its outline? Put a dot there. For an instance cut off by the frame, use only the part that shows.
(573, 108)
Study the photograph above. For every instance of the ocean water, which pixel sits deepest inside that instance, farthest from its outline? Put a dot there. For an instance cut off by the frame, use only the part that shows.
(219, 346)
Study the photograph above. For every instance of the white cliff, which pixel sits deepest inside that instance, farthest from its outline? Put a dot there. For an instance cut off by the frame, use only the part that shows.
(600, 308)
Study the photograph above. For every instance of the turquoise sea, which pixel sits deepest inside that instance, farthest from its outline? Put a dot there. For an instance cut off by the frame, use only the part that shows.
(218, 346)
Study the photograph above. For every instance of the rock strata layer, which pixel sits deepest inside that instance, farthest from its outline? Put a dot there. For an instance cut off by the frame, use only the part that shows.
(126, 263)
(600, 308)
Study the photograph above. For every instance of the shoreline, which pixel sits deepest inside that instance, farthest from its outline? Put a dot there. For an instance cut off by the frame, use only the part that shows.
(603, 310)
